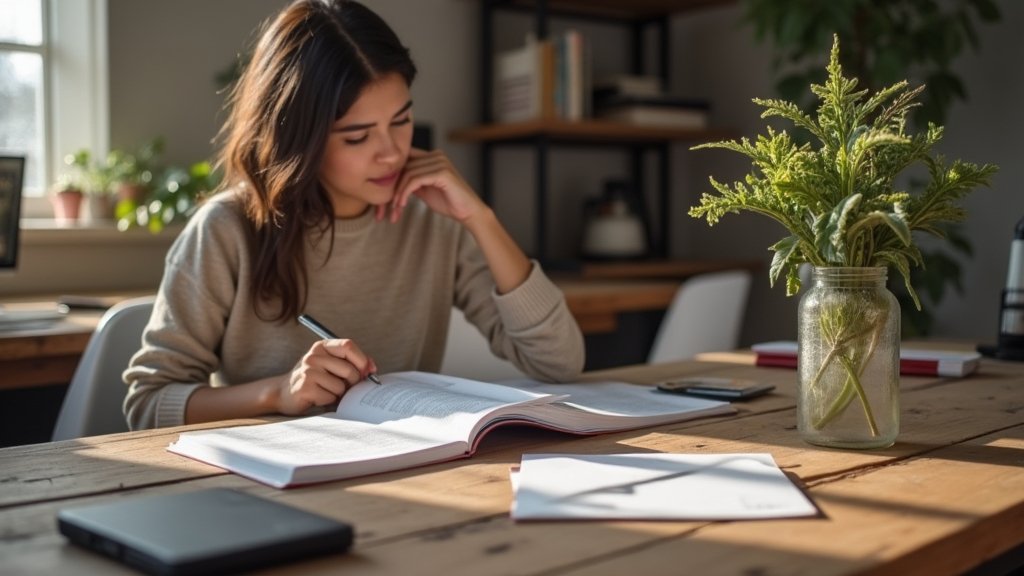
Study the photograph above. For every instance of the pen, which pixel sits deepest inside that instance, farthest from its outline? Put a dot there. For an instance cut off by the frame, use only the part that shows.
(322, 331)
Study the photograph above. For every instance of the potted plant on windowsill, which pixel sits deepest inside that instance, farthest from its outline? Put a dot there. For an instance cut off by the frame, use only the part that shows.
(67, 193)
(135, 174)
(172, 198)
(847, 216)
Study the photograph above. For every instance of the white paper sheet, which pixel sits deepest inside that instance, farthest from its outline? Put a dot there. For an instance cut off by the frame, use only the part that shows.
(655, 487)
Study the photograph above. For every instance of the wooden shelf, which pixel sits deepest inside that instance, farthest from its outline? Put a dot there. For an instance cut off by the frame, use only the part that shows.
(617, 9)
(582, 131)
(639, 17)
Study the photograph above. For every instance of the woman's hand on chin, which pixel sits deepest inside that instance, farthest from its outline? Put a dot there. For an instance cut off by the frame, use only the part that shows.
(431, 177)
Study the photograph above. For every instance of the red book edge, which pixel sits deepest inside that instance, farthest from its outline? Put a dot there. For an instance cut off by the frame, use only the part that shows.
(908, 367)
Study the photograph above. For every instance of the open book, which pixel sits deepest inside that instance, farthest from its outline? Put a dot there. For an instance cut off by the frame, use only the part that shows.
(913, 362)
(417, 418)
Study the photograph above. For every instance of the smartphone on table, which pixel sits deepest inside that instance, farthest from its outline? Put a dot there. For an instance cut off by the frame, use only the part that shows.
(716, 387)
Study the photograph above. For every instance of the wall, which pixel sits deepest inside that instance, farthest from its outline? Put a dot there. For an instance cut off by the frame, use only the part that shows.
(164, 57)
(162, 77)
(987, 128)
(714, 58)
(161, 83)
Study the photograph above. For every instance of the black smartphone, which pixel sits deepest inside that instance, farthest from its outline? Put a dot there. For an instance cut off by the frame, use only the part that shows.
(213, 531)
(716, 387)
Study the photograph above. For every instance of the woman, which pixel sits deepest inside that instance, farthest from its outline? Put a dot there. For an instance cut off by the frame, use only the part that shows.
(326, 209)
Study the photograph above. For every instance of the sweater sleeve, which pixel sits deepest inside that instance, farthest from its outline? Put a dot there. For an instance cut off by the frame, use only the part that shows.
(179, 344)
(531, 326)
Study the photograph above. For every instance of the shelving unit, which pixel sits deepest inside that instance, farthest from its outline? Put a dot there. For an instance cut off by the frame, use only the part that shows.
(638, 16)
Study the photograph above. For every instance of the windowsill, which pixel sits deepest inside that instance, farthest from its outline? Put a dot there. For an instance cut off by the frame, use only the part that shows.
(48, 232)
(86, 257)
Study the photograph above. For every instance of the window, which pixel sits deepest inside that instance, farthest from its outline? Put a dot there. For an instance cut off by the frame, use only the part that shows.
(53, 87)
(22, 91)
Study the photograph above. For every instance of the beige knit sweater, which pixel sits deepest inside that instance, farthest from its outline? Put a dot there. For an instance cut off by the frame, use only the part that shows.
(389, 287)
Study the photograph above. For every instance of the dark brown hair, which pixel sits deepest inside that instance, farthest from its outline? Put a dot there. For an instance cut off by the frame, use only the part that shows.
(309, 66)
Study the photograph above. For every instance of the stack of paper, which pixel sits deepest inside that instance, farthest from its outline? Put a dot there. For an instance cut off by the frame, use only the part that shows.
(655, 487)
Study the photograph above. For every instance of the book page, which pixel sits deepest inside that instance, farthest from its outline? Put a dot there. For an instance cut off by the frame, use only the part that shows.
(299, 450)
(656, 487)
(324, 439)
(595, 407)
(617, 398)
(431, 404)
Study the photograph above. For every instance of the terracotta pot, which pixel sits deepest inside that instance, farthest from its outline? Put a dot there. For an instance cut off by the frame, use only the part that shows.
(99, 207)
(67, 205)
(135, 193)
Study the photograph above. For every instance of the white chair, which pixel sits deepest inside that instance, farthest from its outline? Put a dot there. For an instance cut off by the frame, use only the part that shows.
(92, 405)
(705, 316)
(468, 354)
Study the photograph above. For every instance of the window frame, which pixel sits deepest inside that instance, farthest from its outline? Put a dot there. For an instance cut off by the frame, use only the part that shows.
(76, 107)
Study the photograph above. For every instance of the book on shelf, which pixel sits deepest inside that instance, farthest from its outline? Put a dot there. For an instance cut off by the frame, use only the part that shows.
(913, 361)
(576, 77)
(627, 85)
(418, 418)
(547, 78)
(520, 81)
(662, 111)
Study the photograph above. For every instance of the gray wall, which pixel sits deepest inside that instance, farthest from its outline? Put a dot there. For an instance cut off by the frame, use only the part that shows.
(162, 77)
(161, 84)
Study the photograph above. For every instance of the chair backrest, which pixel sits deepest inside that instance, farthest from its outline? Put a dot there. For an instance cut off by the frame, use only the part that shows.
(705, 315)
(92, 405)
(468, 354)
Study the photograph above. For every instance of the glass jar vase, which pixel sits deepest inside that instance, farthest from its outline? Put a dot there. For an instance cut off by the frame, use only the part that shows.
(849, 360)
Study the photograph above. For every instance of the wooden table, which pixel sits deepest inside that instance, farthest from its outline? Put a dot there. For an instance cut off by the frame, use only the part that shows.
(946, 498)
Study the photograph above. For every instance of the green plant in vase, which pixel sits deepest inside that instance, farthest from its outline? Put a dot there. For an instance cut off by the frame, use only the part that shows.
(846, 215)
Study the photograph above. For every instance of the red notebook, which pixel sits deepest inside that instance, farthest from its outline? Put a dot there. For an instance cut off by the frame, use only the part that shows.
(913, 362)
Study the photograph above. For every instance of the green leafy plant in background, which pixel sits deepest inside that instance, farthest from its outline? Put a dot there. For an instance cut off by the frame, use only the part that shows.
(133, 173)
(149, 194)
(883, 41)
(174, 199)
(839, 200)
(76, 177)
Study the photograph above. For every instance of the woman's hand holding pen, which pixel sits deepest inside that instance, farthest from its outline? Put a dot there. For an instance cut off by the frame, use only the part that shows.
(323, 375)
(431, 176)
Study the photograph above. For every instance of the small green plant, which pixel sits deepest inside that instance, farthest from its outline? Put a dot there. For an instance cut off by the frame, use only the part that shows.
(136, 169)
(175, 196)
(76, 177)
(841, 204)
(840, 201)
(149, 194)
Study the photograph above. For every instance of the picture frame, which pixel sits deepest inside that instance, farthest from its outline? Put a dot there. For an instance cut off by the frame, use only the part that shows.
(12, 175)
